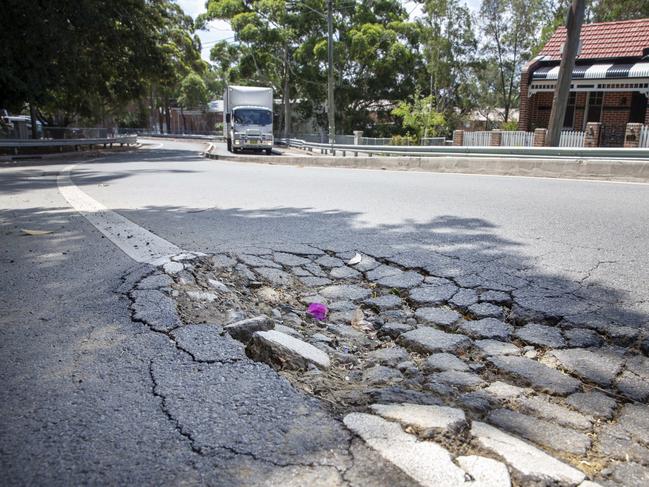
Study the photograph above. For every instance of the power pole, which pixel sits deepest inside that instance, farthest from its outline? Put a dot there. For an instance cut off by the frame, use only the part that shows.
(330, 81)
(562, 89)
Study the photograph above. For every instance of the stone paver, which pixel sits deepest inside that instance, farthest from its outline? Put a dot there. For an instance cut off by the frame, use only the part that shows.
(345, 291)
(458, 378)
(284, 351)
(403, 280)
(545, 336)
(445, 361)
(630, 474)
(276, 277)
(388, 356)
(502, 390)
(544, 408)
(289, 259)
(344, 272)
(380, 374)
(387, 301)
(428, 294)
(437, 316)
(538, 375)
(495, 297)
(329, 262)
(426, 462)
(255, 261)
(425, 419)
(244, 329)
(393, 330)
(485, 471)
(592, 403)
(583, 338)
(496, 347)
(629, 435)
(429, 340)
(464, 298)
(597, 365)
(486, 310)
(532, 464)
(634, 381)
(541, 432)
(489, 328)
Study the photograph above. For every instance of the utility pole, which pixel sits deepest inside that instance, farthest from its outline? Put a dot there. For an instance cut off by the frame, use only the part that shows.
(562, 90)
(330, 81)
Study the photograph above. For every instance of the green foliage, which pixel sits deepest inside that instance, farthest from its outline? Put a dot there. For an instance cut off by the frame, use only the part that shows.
(510, 125)
(193, 92)
(420, 118)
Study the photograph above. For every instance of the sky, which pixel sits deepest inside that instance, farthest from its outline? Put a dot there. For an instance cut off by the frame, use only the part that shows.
(219, 30)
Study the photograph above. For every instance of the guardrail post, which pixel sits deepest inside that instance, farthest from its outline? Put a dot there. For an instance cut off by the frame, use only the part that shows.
(458, 137)
(593, 130)
(632, 135)
(539, 137)
(495, 138)
(358, 135)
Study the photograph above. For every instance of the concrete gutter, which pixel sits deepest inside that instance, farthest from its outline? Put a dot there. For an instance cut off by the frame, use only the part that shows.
(632, 170)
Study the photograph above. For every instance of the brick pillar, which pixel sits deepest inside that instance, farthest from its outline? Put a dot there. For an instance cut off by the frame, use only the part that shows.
(593, 130)
(358, 135)
(524, 101)
(458, 137)
(495, 138)
(539, 137)
(632, 135)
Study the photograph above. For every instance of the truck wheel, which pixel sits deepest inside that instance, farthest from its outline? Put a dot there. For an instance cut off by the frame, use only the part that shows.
(269, 152)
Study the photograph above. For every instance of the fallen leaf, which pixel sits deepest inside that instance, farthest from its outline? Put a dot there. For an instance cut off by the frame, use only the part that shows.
(35, 233)
(357, 318)
(355, 260)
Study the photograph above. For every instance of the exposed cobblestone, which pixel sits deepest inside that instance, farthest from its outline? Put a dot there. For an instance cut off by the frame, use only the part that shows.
(396, 351)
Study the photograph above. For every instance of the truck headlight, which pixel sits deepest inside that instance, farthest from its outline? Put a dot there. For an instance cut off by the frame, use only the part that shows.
(237, 142)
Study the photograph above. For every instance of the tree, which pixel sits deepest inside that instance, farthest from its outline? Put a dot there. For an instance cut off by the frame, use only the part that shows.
(192, 94)
(450, 50)
(608, 10)
(510, 30)
(419, 117)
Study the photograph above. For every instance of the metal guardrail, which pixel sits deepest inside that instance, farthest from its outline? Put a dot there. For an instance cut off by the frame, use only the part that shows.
(17, 144)
(469, 151)
(122, 140)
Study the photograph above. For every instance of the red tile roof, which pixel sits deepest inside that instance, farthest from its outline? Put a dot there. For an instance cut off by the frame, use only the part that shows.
(604, 40)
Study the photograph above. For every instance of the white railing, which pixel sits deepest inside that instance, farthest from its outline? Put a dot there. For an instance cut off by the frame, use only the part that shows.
(644, 136)
(476, 138)
(517, 139)
(572, 138)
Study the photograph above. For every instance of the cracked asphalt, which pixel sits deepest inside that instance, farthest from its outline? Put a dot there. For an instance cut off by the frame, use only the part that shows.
(92, 395)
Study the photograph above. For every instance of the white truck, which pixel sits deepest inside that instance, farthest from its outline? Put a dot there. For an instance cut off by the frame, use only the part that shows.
(248, 118)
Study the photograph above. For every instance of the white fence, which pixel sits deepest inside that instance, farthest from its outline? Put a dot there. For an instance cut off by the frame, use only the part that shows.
(644, 136)
(476, 138)
(572, 138)
(518, 139)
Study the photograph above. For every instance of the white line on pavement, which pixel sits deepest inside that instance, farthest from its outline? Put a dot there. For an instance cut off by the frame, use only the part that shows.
(138, 243)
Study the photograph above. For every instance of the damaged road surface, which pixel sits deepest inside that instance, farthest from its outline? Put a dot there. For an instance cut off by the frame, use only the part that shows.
(452, 350)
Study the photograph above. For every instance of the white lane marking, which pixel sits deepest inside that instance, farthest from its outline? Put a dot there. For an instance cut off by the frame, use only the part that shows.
(138, 243)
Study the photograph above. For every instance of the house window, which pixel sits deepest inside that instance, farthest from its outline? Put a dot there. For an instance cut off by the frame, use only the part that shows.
(569, 119)
(595, 100)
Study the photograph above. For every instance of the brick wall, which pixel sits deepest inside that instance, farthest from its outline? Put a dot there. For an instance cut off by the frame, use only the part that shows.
(524, 103)
(616, 109)
(541, 105)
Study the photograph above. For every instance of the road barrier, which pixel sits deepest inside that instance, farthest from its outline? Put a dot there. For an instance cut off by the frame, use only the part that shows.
(42, 145)
(473, 151)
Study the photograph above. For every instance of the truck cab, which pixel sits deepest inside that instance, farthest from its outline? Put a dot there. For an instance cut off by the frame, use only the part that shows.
(248, 117)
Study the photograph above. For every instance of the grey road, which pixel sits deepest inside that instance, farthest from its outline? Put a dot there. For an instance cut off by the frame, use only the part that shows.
(87, 389)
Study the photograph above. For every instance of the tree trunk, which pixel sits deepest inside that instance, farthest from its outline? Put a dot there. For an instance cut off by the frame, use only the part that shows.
(182, 114)
(167, 115)
(562, 89)
(32, 113)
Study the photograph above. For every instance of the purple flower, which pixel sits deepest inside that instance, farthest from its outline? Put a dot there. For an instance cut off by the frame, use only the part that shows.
(318, 311)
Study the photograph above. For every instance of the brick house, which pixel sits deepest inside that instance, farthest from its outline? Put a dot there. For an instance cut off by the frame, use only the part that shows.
(610, 82)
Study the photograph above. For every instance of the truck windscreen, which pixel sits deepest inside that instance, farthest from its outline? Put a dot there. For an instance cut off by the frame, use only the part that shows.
(251, 116)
